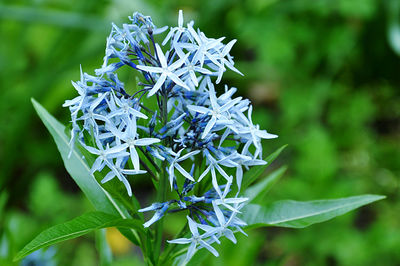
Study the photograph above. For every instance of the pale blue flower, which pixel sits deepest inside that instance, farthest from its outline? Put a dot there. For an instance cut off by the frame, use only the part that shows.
(223, 223)
(246, 161)
(174, 164)
(223, 200)
(165, 71)
(217, 113)
(105, 155)
(90, 115)
(76, 104)
(214, 165)
(175, 32)
(190, 68)
(203, 46)
(119, 171)
(131, 140)
(221, 57)
(125, 108)
(196, 239)
(254, 132)
(160, 209)
(189, 118)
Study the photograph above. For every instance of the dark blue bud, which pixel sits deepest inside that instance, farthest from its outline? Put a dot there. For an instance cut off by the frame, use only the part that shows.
(188, 188)
(175, 185)
(182, 205)
(202, 220)
(192, 170)
(193, 199)
(139, 53)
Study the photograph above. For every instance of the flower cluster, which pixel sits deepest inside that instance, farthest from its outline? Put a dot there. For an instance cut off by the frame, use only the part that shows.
(199, 140)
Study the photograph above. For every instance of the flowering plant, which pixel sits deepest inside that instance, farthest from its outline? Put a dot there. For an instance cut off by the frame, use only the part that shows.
(174, 128)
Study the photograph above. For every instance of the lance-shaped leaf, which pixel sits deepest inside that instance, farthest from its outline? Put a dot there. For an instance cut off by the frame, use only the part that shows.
(80, 172)
(257, 192)
(298, 214)
(256, 171)
(79, 226)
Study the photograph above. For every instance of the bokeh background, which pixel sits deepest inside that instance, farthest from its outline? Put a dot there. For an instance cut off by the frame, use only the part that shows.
(323, 75)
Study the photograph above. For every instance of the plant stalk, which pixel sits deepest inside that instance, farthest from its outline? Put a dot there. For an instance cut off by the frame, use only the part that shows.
(162, 187)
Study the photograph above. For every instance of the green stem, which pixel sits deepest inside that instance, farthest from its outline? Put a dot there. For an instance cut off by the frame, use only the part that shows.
(171, 247)
(159, 226)
(162, 188)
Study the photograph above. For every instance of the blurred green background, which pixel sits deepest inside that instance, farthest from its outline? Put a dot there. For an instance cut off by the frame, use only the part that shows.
(323, 75)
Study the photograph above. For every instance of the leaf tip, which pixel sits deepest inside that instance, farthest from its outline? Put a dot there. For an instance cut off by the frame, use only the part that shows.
(18, 257)
(34, 102)
(378, 197)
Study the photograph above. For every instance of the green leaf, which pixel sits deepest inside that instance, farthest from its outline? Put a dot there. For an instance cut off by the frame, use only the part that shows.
(103, 248)
(393, 29)
(298, 214)
(79, 226)
(80, 172)
(257, 192)
(255, 172)
(394, 37)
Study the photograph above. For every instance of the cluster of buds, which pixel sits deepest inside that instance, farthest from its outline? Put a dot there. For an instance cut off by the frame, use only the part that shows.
(198, 141)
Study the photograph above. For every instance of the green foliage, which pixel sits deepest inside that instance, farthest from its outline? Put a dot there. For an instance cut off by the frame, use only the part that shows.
(324, 75)
(80, 171)
(257, 192)
(79, 226)
(282, 213)
(296, 214)
(255, 172)
(20, 227)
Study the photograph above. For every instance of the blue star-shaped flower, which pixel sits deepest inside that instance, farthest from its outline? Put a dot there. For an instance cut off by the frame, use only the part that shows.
(165, 71)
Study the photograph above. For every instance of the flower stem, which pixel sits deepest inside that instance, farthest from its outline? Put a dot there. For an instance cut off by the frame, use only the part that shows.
(171, 247)
(162, 188)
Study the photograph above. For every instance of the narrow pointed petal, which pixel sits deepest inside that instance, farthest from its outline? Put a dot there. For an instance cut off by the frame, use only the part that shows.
(158, 85)
(265, 135)
(146, 141)
(228, 47)
(108, 177)
(171, 175)
(184, 172)
(168, 37)
(180, 18)
(218, 213)
(178, 63)
(150, 69)
(204, 173)
(97, 165)
(215, 183)
(137, 113)
(178, 81)
(209, 126)
(239, 176)
(191, 251)
(229, 234)
(180, 241)
(134, 158)
(209, 248)
(192, 226)
(117, 149)
(184, 157)
(161, 56)
(198, 109)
